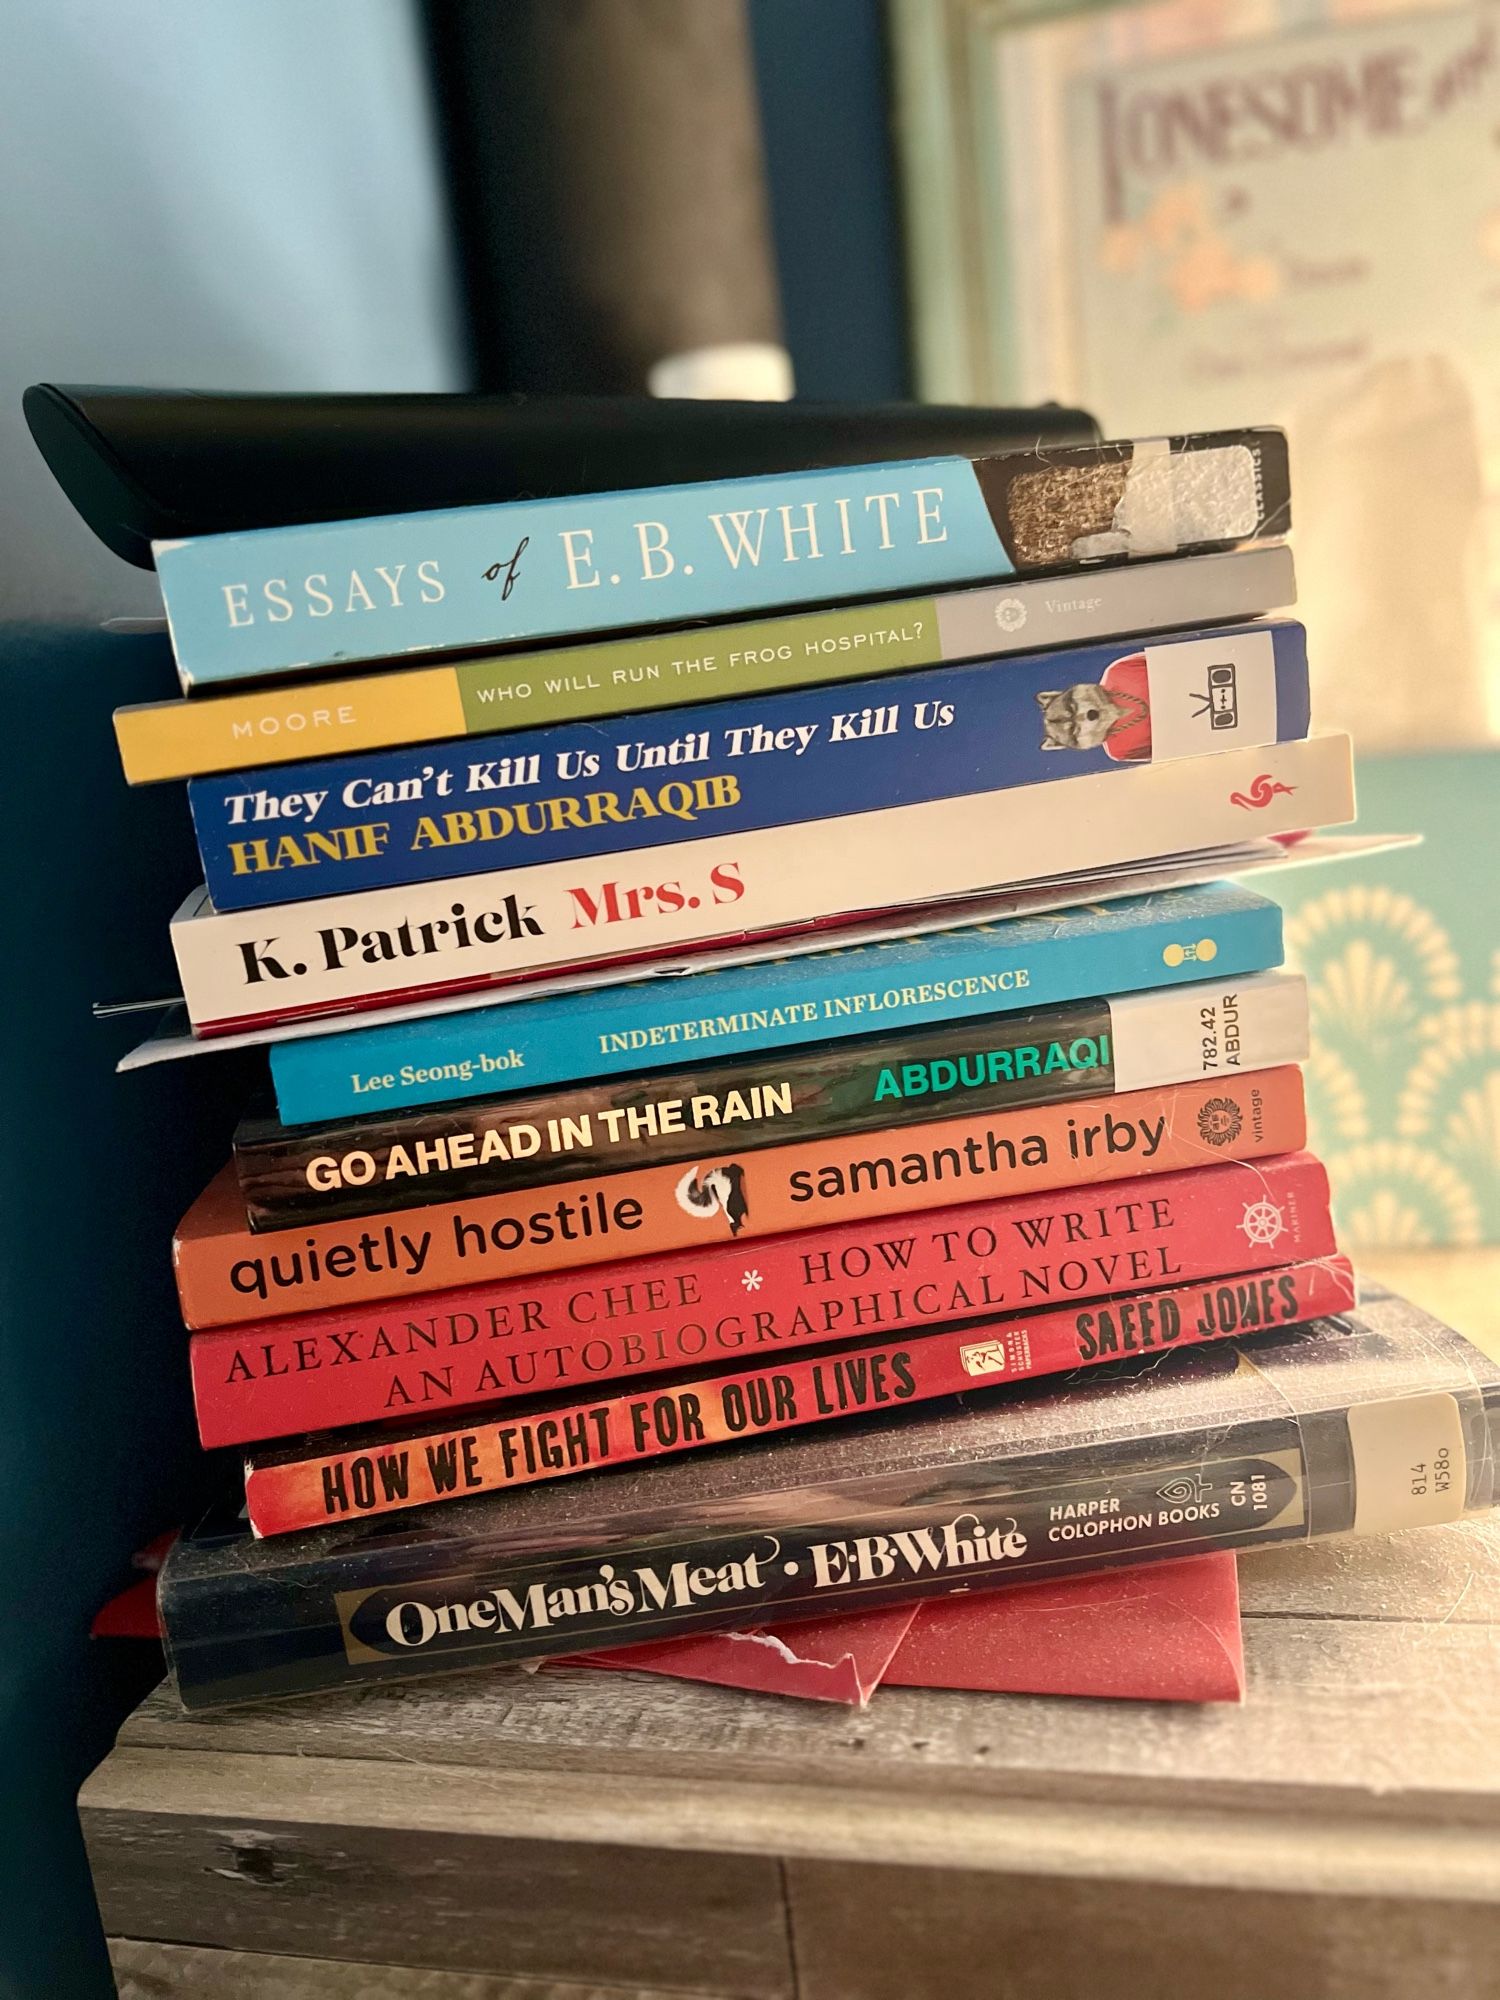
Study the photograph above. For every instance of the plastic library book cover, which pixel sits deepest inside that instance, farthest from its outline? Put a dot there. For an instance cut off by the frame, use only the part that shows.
(1370, 1421)
(307, 1485)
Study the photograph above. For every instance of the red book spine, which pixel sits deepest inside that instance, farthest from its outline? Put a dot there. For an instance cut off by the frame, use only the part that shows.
(460, 1349)
(310, 1487)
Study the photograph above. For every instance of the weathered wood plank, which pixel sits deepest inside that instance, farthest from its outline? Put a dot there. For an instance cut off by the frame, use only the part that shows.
(1369, 1716)
(145, 1970)
(928, 1935)
(1185, 1839)
(614, 1829)
(634, 1916)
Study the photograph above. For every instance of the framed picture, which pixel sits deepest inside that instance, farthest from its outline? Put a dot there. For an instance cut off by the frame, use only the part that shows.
(1210, 212)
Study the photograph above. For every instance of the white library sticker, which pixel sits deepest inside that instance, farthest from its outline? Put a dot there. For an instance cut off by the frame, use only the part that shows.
(1409, 1464)
(1208, 1029)
(1210, 694)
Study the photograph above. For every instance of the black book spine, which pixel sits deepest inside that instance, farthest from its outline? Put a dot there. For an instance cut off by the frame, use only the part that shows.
(366, 1166)
(351, 1616)
(146, 465)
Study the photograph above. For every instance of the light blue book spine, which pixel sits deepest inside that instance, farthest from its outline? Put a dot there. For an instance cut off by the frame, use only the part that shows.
(279, 600)
(275, 600)
(1129, 946)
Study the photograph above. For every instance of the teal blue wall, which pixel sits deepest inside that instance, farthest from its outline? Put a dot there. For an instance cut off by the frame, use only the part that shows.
(189, 195)
(1402, 954)
(95, 1429)
(821, 69)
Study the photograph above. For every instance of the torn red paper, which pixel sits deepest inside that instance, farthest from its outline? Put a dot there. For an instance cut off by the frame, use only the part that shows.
(1170, 1632)
(129, 1614)
(821, 1659)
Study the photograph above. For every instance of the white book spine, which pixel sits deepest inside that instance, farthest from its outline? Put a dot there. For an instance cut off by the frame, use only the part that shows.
(352, 952)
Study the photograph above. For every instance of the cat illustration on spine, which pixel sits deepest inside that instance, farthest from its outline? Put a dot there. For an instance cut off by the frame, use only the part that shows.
(1113, 714)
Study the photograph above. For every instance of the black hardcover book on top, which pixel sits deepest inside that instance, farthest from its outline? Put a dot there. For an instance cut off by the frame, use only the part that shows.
(1379, 1420)
(145, 465)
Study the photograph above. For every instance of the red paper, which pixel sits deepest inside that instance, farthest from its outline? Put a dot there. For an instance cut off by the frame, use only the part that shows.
(840, 1658)
(130, 1614)
(1169, 1632)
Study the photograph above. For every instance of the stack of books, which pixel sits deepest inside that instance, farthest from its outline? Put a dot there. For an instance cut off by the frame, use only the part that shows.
(720, 1072)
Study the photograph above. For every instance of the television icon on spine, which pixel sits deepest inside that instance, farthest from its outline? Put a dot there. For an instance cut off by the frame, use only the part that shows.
(1221, 702)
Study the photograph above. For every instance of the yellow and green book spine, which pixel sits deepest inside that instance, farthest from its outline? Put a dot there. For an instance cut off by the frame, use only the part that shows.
(288, 722)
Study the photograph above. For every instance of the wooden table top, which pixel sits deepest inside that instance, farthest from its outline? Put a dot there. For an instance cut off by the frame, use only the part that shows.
(1372, 1707)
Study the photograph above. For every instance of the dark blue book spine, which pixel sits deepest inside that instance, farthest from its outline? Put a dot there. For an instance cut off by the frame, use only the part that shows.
(385, 818)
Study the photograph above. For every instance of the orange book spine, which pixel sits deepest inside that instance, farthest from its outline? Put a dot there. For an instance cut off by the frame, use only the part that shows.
(226, 1274)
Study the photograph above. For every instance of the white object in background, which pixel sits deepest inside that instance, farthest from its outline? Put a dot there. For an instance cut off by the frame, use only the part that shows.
(746, 371)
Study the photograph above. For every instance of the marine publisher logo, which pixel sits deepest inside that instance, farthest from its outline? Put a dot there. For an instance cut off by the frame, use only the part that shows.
(1262, 1222)
(1219, 1121)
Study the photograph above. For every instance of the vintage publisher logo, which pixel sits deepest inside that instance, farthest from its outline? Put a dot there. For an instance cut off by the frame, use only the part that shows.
(1220, 1121)
(1010, 614)
(983, 1357)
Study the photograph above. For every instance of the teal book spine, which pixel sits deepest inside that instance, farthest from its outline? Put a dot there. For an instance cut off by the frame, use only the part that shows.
(1168, 938)
(286, 600)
